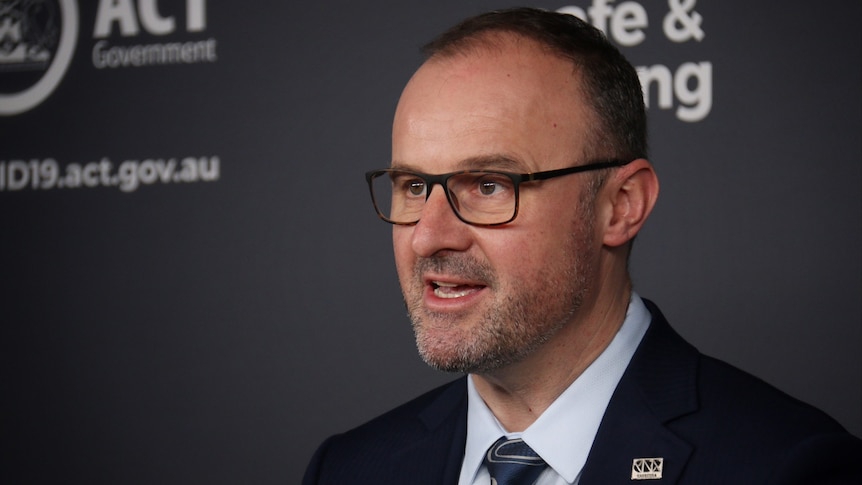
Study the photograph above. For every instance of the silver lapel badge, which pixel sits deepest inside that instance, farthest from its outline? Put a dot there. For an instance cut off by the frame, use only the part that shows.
(647, 468)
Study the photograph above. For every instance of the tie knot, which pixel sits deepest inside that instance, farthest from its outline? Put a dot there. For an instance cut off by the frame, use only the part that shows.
(513, 462)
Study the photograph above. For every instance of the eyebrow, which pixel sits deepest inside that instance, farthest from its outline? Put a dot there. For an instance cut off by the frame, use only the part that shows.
(496, 161)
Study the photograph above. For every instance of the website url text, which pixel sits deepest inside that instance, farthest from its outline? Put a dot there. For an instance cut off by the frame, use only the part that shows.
(128, 176)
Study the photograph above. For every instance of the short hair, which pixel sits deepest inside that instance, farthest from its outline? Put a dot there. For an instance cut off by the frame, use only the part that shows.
(610, 83)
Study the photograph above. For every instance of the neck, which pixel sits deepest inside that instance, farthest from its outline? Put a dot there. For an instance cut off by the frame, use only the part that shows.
(519, 393)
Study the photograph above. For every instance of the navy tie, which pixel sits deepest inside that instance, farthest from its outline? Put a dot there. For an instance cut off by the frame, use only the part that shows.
(513, 462)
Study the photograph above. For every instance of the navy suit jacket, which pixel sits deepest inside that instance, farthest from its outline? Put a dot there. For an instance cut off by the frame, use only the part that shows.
(710, 423)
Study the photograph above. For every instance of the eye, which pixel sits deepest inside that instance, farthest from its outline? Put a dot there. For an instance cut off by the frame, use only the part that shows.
(492, 184)
(408, 185)
(488, 187)
(415, 187)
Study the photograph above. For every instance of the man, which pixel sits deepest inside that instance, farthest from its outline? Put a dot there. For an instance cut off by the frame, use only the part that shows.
(518, 183)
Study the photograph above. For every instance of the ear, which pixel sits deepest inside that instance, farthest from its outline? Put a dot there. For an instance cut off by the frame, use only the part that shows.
(632, 192)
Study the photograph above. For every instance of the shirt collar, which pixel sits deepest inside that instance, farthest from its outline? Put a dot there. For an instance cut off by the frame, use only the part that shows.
(564, 433)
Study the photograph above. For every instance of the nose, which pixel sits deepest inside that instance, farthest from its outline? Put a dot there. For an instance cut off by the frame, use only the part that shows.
(439, 229)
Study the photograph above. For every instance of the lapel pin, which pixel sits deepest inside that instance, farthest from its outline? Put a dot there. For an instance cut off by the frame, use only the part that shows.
(647, 468)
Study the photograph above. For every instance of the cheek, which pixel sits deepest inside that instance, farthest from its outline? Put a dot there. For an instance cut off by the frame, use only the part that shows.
(531, 249)
(515, 253)
(401, 248)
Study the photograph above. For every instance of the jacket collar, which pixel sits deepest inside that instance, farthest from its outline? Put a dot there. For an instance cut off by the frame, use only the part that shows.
(659, 386)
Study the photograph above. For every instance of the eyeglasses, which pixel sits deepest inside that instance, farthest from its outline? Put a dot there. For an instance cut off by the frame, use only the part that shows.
(478, 197)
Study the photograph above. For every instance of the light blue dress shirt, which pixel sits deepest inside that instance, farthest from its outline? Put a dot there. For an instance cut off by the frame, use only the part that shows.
(564, 433)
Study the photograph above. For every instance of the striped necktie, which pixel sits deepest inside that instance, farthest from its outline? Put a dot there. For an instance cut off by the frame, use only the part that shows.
(513, 462)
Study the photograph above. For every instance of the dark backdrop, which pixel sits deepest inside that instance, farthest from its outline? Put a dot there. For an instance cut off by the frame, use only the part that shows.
(214, 327)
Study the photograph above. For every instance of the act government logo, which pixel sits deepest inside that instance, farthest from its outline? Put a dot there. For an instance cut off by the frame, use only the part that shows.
(37, 40)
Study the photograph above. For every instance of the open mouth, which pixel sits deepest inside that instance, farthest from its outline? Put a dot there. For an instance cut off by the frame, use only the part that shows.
(443, 289)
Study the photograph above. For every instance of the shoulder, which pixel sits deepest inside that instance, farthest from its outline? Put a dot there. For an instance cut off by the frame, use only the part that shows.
(731, 416)
(433, 418)
(414, 416)
(666, 364)
(742, 419)
(762, 409)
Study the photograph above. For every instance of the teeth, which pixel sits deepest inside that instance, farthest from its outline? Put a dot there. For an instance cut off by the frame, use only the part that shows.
(440, 293)
(444, 290)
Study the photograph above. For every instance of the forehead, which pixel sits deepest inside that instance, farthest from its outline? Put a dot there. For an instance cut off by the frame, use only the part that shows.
(511, 100)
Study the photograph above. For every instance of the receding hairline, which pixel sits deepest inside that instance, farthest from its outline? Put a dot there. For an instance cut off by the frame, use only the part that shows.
(496, 41)
(607, 79)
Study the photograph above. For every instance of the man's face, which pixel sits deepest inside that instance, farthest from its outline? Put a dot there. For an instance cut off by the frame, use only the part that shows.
(484, 297)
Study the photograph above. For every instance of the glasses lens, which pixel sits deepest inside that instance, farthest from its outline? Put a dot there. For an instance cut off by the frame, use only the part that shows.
(483, 197)
(398, 196)
(477, 197)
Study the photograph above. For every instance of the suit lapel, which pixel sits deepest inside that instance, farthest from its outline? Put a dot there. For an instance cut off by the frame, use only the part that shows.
(659, 385)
